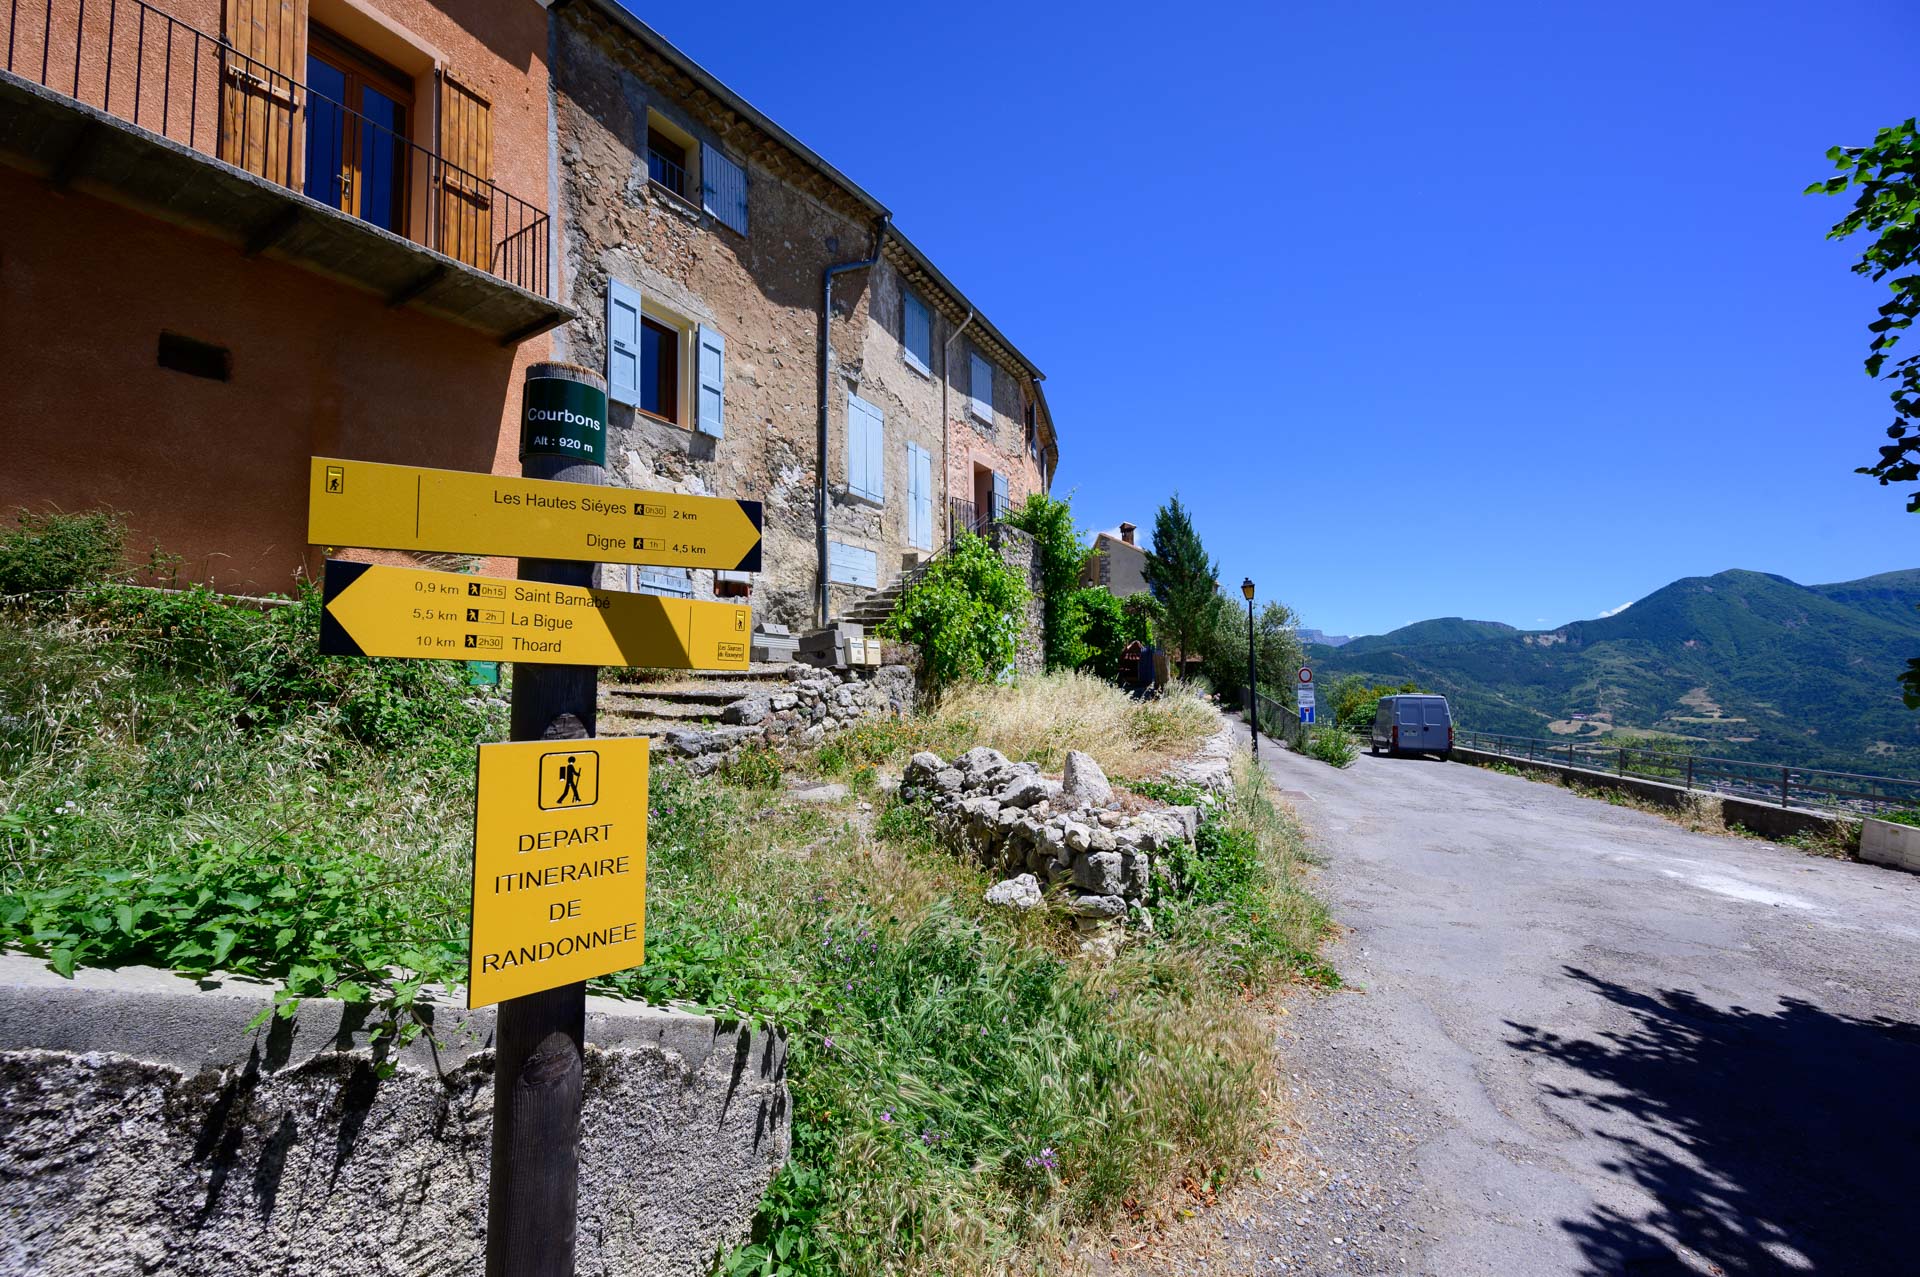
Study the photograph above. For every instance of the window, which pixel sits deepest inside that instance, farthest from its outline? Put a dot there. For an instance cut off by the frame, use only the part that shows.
(723, 188)
(357, 151)
(667, 162)
(916, 333)
(659, 370)
(851, 565)
(1033, 429)
(866, 475)
(980, 387)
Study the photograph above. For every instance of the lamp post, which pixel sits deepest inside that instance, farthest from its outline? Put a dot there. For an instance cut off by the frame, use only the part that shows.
(1253, 684)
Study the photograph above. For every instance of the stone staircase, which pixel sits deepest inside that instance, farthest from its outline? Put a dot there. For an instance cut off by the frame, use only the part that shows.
(689, 701)
(869, 610)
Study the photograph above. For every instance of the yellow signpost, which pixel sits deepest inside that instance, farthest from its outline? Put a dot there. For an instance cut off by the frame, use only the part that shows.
(559, 865)
(364, 503)
(375, 610)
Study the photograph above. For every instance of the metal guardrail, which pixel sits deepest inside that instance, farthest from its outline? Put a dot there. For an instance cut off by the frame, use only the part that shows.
(169, 78)
(669, 173)
(1782, 785)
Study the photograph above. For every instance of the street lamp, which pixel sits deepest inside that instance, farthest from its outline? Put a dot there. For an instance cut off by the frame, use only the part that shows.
(1253, 685)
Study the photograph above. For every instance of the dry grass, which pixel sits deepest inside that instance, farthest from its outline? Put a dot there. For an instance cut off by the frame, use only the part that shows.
(1042, 717)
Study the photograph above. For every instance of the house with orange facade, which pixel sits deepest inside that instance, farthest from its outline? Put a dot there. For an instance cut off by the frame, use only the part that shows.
(241, 234)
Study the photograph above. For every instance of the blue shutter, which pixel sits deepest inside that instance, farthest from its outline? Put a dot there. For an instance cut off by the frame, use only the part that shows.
(723, 188)
(999, 497)
(980, 387)
(919, 497)
(710, 418)
(851, 565)
(623, 343)
(672, 582)
(916, 333)
(866, 475)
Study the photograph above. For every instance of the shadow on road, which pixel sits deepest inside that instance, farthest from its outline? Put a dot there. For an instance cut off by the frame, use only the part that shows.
(1774, 1143)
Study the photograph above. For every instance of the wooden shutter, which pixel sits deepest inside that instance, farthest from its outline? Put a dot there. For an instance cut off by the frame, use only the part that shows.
(464, 189)
(851, 565)
(865, 433)
(917, 333)
(980, 387)
(710, 418)
(999, 497)
(723, 188)
(262, 126)
(623, 343)
(919, 497)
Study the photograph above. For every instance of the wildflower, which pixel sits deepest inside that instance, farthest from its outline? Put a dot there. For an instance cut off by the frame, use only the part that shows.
(829, 1042)
(886, 1115)
(1044, 1160)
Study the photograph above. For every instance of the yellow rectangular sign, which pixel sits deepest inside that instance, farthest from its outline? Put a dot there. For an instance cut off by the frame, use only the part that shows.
(375, 610)
(364, 503)
(559, 865)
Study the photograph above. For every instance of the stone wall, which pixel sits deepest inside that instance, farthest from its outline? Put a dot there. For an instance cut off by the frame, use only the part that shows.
(811, 704)
(1017, 549)
(144, 1128)
(1070, 841)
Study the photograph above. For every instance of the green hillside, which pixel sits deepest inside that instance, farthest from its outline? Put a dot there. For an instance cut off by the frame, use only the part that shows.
(1744, 664)
(1443, 632)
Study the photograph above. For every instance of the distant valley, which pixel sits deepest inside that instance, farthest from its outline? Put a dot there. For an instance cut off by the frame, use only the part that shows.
(1742, 664)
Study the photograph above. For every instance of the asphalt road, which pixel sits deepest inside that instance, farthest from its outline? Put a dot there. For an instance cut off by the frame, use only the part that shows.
(1585, 1040)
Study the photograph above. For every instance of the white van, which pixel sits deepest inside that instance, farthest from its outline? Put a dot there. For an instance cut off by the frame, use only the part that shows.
(1409, 724)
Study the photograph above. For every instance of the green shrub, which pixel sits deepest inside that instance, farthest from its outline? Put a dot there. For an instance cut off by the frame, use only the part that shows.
(52, 551)
(752, 767)
(964, 615)
(1102, 626)
(1062, 558)
(1331, 745)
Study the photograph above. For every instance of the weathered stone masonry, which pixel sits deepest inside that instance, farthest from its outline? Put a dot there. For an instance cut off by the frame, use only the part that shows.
(613, 80)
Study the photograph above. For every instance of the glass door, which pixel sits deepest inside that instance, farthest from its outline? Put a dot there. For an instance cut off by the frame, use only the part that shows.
(357, 151)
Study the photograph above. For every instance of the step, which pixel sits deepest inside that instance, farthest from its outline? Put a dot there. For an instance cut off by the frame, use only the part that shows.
(714, 697)
(666, 711)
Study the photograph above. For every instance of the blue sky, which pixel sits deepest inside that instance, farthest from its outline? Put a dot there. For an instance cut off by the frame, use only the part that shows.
(1512, 311)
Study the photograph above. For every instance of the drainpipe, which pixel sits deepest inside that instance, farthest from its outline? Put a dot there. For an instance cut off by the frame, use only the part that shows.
(826, 369)
(946, 428)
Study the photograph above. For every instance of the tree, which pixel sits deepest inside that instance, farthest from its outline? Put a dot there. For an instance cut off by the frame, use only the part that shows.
(1184, 581)
(1277, 653)
(1886, 179)
(1062, 557)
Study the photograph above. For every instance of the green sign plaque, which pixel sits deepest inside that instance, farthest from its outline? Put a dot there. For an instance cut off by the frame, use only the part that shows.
(562, 417)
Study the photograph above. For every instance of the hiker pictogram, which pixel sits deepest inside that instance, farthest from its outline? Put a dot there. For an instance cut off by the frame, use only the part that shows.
(569, 779)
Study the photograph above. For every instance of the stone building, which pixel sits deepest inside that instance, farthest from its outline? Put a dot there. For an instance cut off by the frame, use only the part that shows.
(699, 242)
(1118, 562)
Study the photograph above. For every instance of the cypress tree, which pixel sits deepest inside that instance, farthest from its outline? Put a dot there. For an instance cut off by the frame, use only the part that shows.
(1183, 580)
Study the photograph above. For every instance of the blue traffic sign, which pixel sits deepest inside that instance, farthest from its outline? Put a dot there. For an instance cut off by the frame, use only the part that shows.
(1306, 715)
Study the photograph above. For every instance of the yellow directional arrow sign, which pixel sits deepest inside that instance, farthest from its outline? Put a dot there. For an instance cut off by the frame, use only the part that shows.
(373, 610)
(364, 503)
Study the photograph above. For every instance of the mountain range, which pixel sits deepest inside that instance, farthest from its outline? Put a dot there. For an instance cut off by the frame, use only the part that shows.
(1741, 664)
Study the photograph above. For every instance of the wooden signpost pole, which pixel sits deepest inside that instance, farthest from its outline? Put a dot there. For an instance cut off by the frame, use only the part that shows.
(539, 1039)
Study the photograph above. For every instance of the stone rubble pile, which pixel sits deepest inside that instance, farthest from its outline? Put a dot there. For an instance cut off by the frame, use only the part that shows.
(1066, 840)
(813, 703)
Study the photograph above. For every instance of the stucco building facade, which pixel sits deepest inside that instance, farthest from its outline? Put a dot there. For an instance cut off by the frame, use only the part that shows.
(242, 234)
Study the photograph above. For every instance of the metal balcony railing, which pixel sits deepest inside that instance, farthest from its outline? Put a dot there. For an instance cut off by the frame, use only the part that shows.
(131, 60)
(669, 173)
